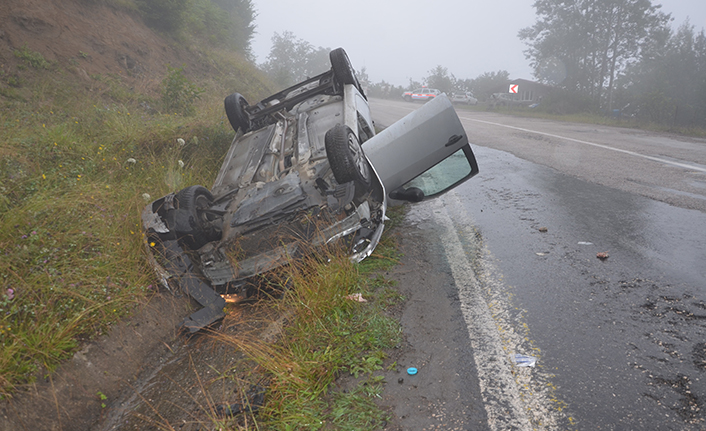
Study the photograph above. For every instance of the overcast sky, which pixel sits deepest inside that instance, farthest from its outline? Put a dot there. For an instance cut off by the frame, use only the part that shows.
(396, 40)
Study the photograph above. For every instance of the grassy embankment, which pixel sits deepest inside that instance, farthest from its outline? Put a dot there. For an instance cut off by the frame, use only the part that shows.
(327, 334)
(77, 166)
(593, 118)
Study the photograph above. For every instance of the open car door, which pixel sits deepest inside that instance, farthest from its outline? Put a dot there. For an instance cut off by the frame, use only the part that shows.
(424, 154)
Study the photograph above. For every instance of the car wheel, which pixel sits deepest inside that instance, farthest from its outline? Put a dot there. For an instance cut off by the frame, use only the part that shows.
(235, 105)
(345, 155)
(343, 69)
(408, 98)
(193, 201)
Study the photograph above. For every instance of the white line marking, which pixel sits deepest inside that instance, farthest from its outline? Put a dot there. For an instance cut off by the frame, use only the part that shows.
(605, 147)
(514, 398)
(501, 397)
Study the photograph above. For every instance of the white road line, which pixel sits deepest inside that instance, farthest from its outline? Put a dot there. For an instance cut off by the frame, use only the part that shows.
(605, 147)
(501, 397)
(514, 398)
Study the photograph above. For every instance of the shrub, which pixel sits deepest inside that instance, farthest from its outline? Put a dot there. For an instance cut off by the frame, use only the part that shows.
(34, 59)
(564, 102)
(178, 93)
(164, 15)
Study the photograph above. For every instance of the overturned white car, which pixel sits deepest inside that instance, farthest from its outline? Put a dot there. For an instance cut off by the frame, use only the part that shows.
(305, 168)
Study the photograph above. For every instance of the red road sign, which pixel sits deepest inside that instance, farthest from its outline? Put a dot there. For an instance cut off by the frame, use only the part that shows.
(513, 88)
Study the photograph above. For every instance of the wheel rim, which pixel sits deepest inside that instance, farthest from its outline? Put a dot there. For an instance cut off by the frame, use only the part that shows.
(358, 159)
(200, 204)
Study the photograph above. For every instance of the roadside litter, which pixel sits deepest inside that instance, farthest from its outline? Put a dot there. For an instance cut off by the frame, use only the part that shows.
(585, 243)
(524, 360)
(602, 255)
(358, 297)
(411, 371)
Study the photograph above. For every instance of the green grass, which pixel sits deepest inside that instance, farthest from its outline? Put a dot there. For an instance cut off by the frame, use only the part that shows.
(76, 169)
(32, 58)
(593, 118)
(327, 335)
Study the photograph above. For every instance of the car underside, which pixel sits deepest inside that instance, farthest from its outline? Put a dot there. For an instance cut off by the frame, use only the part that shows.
(294, 178)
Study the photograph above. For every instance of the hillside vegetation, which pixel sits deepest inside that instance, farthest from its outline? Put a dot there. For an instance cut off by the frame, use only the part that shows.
(105, 106)
(99, 112)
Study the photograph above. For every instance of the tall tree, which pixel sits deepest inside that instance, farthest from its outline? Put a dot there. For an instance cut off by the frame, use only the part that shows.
(440, 79)
(589, 43)
(292, 59)
(668, 84)
(286, 62)
(484, 85)
(242, 22)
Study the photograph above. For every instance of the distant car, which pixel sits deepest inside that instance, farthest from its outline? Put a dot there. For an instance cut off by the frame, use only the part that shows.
(305, 169)
(464, 98)
(424, 94)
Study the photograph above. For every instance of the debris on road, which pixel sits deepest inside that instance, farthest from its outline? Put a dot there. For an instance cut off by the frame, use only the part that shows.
(411, 371)
(603, 255)
(585, 243)
(542, 229)
(524, 360)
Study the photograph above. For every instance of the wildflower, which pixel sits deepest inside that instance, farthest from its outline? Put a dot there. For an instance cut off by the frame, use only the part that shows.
(181, 142)
(131, 160)
(10, 293)
(146, 197)
(180, 163)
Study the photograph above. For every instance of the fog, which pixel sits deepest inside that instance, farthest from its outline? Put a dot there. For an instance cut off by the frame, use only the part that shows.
(401, 40)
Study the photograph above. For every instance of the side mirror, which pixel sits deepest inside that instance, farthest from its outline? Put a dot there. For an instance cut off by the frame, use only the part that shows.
(412, 194)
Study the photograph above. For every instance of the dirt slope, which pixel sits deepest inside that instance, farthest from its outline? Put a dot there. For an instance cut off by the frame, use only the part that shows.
(88, 38)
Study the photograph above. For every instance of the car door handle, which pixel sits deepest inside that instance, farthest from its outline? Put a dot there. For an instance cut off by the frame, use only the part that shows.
(453, 139)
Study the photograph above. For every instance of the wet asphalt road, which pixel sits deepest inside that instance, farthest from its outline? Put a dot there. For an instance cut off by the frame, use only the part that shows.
(620, 342)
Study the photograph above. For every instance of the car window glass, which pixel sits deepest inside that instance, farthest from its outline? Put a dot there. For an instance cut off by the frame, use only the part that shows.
(443, 175)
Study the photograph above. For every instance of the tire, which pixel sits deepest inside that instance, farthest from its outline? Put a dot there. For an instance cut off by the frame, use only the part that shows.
(346, 157)
(408, 98)
(191, 201)
(235, 105)
(343, 70)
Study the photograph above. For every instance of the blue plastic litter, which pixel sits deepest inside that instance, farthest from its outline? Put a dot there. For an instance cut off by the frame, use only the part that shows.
(411, 371)
(524, 360)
